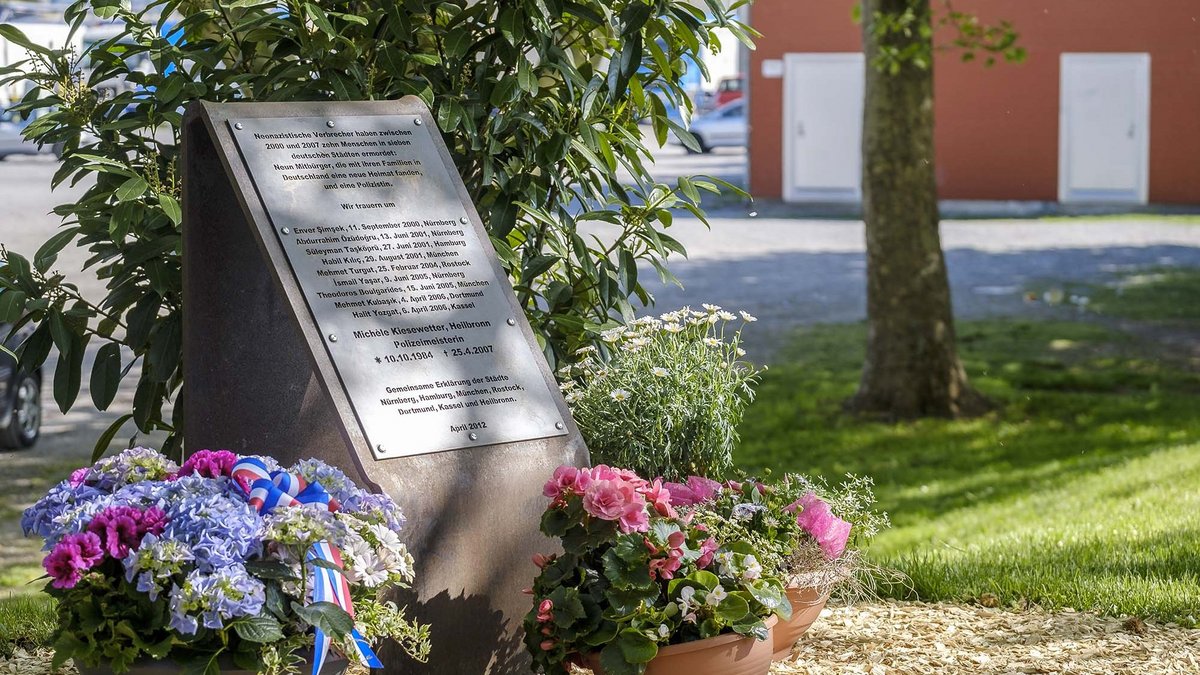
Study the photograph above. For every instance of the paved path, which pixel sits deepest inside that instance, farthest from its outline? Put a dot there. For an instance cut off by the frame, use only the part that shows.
(791, 273)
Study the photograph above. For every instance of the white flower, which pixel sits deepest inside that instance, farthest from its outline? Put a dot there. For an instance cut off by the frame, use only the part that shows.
(386, 538)
(618, 395)
(670, 316)
(573, 396)
(715, 596)
(637, 343)
(711, 308)
(726, 316)
(690, 617)
(713, 318)
(370, 571)
(663, 631)
(712, 342)
(612, 334)
(741, 352)
(748, 317)
(566, 386)
(660, 372)
(586, 349)
(753, 568)
(398, 563)
(687, 593)
(673, 328)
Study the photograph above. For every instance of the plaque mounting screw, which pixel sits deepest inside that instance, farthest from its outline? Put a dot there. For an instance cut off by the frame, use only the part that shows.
(286, 230)
(332, 337)
(379, 448)
(418, 121)
(512, 322)
(558, 425)
(329, 124)
(463, 220)
(473, 436)
(238, 125)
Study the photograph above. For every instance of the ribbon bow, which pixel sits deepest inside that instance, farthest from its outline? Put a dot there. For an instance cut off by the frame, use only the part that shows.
(266, 490)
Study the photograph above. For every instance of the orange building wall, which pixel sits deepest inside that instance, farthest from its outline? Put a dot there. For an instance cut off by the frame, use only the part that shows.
(997, 128)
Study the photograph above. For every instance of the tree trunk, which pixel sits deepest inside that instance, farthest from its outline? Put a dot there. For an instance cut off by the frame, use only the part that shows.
(912, 367)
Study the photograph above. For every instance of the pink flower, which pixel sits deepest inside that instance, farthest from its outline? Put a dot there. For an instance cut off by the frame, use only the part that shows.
(544, 613)
(635, 518)
(72, 556)
(541, 559)
(697, 490)
(565, 478)
(209, 463)
(818, 520)
(659, 497)
(606, 499)
(708, 550)
(676, 539)
(603, 472)
(120, 528)
(547, 645)
(79, 476)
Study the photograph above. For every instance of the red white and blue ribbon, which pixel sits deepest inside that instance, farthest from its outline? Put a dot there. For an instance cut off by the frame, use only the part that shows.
(267, 490)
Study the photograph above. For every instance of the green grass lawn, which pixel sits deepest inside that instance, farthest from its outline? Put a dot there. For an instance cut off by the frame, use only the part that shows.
(1080, 491)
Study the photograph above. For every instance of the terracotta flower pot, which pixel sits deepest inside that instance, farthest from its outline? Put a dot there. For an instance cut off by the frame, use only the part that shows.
(807, 603)
(334, 665)
(729, 654)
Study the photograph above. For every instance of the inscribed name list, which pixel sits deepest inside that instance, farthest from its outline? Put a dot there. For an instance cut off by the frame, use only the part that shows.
(405, 294)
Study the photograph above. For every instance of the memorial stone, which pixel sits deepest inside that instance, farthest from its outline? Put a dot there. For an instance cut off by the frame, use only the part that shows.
(343, 301)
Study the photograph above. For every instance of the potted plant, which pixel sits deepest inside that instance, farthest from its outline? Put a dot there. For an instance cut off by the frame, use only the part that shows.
(640, 588)
(223, 564)
(797, 527)
(664, 396)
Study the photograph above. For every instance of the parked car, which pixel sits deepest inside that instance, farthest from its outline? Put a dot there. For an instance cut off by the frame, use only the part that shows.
(11, 141)
(724, 127)
(729, 89)
(20, 396)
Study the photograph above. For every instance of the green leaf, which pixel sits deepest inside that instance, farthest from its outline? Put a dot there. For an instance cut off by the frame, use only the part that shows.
(12, 306)
(131, 189)
(16, 36)
(636, 647)
(262, 629)
(106, 375)
(171, 207)
(271, 569)
(68, 375)
(612, 659)
(48, 253)
(327, 616)
(733, 609)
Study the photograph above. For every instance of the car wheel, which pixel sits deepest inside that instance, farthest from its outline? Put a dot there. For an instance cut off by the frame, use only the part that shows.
(25, 424)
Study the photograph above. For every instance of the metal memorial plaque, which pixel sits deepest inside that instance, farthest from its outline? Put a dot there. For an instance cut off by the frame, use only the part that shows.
(398, 281)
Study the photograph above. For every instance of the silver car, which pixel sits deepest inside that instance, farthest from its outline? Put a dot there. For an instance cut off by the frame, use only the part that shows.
(724, 127)
(11, 141)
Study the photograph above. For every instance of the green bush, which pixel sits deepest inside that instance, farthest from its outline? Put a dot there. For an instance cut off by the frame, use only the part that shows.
(538, 100)
(664, 397)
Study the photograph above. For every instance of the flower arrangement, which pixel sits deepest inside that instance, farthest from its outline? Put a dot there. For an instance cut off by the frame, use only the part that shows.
(664, 396)
(805, 532)
(224, 559)
(636, 574)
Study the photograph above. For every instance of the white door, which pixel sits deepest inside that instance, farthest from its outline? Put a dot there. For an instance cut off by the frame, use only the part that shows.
(1104, 128)
(822, 127)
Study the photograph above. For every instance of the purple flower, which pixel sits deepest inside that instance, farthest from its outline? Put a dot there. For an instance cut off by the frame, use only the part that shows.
(209, 463)
(818, 520)
(71, 557)
(121, 528)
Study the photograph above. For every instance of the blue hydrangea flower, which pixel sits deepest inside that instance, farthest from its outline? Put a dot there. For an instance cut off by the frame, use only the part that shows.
(219, 528)
(155, 562)
(130, 466)
(214, 598)
(43, 517)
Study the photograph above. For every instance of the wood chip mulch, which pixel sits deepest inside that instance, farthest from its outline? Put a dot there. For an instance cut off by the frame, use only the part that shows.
(902, 638)
(893, 638)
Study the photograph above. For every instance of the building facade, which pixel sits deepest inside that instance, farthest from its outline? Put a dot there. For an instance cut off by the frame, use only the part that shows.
(1105, 109)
